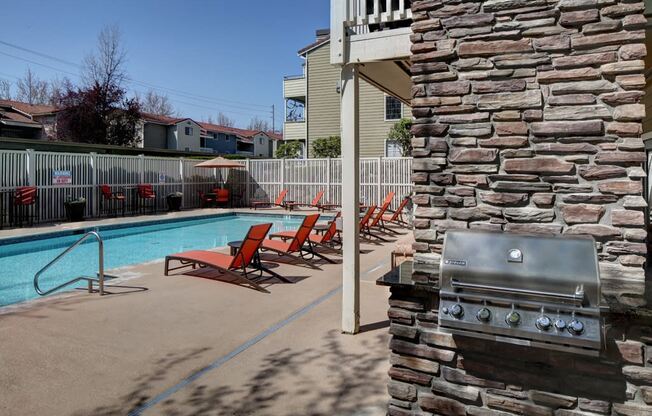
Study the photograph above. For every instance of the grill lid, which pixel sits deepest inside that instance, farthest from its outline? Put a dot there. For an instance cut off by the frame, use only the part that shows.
(540, 268)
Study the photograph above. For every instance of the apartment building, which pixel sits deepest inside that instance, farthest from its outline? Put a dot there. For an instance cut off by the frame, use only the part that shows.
(312, 108)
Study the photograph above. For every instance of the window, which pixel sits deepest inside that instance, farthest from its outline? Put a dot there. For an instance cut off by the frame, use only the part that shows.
(393, 108)
(260, 140)
(294, 111)
(392, 149)
(189, 131)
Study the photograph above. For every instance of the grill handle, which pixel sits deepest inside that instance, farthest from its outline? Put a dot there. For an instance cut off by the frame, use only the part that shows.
(576, 298)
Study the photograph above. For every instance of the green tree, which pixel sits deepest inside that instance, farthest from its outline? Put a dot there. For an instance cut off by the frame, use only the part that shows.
(289, 150)
(401, 134)
(327, 147)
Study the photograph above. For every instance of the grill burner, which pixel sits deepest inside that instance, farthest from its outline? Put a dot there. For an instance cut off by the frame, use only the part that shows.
(522, 289)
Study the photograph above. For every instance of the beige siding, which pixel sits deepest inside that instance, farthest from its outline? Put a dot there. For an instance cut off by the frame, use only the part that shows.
(294, 131)
(323, 100)
(294, 88)
(323, 108)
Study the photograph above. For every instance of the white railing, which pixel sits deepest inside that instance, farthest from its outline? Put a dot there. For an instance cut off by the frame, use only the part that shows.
(260, 179)
(357, 17)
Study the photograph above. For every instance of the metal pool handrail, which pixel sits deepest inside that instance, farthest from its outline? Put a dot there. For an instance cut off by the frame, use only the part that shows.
(99, 280)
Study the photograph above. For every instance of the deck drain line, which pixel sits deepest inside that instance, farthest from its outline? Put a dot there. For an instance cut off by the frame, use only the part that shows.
(242, 348)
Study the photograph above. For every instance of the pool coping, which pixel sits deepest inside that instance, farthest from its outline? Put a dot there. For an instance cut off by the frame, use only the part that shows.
(82, 228)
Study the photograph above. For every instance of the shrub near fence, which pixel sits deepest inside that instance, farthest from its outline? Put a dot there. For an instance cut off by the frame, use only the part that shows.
(260, 178)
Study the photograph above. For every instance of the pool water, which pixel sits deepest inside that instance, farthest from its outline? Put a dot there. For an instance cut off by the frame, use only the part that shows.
(130, 245)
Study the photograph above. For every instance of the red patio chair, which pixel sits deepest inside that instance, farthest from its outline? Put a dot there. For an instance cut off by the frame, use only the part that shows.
(396, 217)
(314, 204)
(295, 248)
(146, 193)
(279, 202)
(230, 265)
(111, 199)
(326, 240)
(364, 221)
(24, 204)
(222, 197)
(376, 222)
(205, 199)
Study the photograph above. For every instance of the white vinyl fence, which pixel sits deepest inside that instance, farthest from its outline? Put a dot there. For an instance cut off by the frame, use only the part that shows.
(259, 179)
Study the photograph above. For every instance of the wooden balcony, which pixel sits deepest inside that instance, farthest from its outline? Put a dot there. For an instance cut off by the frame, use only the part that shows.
(370, 30)
(294, 86)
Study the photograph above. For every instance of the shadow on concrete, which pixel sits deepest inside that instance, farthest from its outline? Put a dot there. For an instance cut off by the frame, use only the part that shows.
(327, 380)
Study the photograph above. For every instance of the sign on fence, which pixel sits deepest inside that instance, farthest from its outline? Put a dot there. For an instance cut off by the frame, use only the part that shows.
(61, 177)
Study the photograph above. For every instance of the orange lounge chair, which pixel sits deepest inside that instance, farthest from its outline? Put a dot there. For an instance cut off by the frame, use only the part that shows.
(295, 248)
(376, 222)
(230, 265)
(326, 240)
(364, 221)
(396, 217)
(314, 204)
(279, 202)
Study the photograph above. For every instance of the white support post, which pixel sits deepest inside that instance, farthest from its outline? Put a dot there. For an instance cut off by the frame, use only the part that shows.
(31, 167)
(350, 199)
(95, 194)
(339, 16)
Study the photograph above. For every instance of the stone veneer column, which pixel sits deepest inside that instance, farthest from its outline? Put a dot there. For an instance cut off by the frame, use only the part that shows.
(528, 119)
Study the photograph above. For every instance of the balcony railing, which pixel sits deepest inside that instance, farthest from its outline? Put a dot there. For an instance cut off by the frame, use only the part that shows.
(359, 17)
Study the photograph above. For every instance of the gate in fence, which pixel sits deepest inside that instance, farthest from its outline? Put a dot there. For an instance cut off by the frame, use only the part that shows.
(59, 176)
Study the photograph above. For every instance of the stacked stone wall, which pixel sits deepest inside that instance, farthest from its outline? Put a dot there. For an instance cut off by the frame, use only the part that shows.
(528, 119)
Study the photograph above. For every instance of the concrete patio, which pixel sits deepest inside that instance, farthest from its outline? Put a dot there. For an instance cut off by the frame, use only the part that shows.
(184, 345)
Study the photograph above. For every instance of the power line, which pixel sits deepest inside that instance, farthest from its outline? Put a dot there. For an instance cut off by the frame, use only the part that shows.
(143, 83)
(252, 112)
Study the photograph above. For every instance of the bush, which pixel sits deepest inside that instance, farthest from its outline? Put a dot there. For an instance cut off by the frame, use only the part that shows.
(289, 150)
(327, 147)
(401, 134)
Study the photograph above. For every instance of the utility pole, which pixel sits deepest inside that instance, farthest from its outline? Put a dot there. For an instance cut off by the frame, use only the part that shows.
(274, 118)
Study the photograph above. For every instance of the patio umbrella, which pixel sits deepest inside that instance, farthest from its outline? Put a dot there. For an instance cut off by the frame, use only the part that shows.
(219, 163)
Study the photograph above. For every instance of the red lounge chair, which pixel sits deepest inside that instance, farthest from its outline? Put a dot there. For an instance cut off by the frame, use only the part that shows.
(396, 217)
(376, 222)
(146, 193)
(295, 248)
(231, 265)
(364, 221)
(279, 202)
(110, 200)
(314, 204)
(222, 197)
(24, 204)
(326, 240)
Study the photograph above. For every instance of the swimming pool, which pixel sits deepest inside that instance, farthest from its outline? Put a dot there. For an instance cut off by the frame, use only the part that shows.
(124, 245)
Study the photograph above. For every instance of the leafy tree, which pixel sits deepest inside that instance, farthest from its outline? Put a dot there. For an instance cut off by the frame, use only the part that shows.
(289, 150)
(327, 147)
(98, 115)
(155, 103)
(400, 133)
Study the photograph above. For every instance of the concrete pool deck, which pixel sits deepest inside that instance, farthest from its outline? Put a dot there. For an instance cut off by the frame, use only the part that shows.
(183, 345)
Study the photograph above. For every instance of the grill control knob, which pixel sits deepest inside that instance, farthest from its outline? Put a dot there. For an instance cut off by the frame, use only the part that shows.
(483, 315)
(543, 323)
(560, 324)
(513, 318)
(457, 311)
(575, 327)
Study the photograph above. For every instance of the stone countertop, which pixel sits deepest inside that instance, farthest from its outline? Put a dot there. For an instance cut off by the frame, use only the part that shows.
(412, 275)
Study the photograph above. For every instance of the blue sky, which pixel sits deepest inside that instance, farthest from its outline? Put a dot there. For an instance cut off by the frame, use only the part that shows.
(234, 53)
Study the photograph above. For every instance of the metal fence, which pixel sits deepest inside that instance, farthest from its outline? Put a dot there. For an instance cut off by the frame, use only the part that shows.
(83, 174)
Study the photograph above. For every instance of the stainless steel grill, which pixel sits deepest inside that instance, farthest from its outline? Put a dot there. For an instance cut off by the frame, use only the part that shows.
(522, 289)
